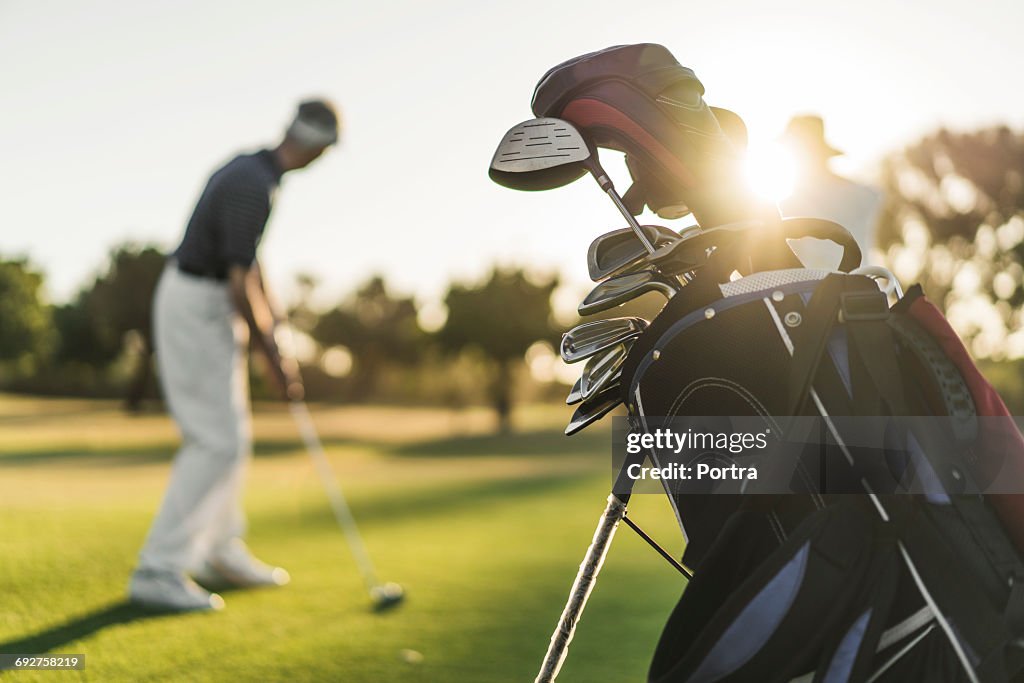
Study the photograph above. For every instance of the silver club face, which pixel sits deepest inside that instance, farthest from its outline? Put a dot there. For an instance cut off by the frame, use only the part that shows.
(540, 154)
(575, 394)
(602, 369)
(583, 341)
(589, 412)
(618, 290)
(620, 250)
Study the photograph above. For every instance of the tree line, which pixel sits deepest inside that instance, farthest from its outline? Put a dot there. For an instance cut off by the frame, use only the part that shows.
(953, 220)
(370, 345)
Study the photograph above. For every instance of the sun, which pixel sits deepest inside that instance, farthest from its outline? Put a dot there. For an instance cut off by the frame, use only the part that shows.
(770, 171)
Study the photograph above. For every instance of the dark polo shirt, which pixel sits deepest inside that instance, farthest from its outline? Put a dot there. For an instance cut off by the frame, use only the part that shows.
(230, 216)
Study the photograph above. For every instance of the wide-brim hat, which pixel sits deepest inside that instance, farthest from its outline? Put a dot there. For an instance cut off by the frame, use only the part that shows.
(807, 132)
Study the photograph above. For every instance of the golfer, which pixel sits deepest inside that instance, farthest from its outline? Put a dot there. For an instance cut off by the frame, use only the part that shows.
(821, 193)
(210, 301)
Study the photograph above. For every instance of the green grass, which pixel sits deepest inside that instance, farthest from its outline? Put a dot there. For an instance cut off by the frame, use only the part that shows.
(485, 533)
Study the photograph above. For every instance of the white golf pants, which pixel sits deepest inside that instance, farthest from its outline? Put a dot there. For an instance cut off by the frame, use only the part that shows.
(201, 351)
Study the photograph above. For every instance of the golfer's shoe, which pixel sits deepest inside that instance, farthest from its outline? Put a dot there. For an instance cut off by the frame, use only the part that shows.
(235, 567)
(168, 591)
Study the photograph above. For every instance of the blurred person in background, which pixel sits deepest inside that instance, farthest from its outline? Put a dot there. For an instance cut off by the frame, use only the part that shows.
(820, 193)
(211, 300)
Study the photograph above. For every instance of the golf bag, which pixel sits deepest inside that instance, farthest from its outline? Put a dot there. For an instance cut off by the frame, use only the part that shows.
(639, 100)
(871, 555)
(820, 585)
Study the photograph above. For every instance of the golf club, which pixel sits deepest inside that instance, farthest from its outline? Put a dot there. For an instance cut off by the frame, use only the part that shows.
(384, 595)
(592, 410)
(545, 153)
(619, 250)
(583, 341)
(602, 369)
(619, 289)
(575, 394)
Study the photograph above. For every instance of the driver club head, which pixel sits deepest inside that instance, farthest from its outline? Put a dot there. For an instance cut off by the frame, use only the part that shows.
(619, 289)
(620, 250)
(540, 154)
(590, 338)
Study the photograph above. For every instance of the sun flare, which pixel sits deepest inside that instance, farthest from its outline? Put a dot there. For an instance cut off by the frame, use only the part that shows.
(770, 171)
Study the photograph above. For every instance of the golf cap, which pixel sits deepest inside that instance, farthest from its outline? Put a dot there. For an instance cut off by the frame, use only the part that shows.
(315, 124)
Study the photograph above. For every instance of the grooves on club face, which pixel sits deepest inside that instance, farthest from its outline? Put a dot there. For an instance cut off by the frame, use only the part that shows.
(620, 250)
(618, 290)
(602, 368)
(594, 409)
(540, 154)
(585, 340)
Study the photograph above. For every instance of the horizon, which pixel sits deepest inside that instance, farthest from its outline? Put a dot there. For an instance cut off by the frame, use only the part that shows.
(101, 149)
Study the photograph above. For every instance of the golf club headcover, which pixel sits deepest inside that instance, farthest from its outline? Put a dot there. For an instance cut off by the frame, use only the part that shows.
(639, 100)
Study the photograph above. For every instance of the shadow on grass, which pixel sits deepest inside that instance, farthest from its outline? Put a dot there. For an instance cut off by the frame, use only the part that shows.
(447, 501)
(145, 455)
(546, 442)
(538, 443)
(48, 416)
(80, 627)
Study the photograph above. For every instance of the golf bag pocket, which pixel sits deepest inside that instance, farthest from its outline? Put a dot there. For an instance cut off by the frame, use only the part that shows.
(817, 584)
(836, 574)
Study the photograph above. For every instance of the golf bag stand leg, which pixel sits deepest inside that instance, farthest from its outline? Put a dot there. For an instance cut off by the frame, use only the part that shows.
(582, 587)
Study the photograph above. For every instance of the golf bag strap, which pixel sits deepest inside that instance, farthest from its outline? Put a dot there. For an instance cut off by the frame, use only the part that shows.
(979, 520)
(863, 309)
(810, 340)
(875, 374)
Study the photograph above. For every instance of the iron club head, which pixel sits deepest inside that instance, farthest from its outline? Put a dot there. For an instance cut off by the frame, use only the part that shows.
(620, 250)
(602, 369)
(583, 341)
(617, 290)
(575, 394)
(589, 412)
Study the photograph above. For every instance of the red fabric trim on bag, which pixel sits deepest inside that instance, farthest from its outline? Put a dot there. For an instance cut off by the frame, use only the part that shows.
(1007, 442)
(587, 112)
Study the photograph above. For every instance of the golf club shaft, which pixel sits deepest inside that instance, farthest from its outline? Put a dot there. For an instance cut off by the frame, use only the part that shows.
(639, 231)
(342, 512)
(581, 589)
(630, 218)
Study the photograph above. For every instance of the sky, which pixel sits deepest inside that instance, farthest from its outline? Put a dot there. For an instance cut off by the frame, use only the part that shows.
(114, 113)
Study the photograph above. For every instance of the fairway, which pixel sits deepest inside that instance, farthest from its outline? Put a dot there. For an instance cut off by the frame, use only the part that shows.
(485, 532)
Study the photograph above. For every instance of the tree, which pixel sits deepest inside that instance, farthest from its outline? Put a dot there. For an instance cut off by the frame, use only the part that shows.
(26, 325)
(377, 329)
(499, 319)
(954, 220)
(118, 305)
